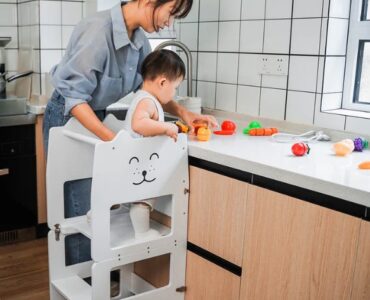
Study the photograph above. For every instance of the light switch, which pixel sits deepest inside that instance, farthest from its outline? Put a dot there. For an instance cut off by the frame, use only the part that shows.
(274, 65)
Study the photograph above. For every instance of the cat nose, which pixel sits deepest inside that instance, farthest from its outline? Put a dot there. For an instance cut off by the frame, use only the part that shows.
(144, 173)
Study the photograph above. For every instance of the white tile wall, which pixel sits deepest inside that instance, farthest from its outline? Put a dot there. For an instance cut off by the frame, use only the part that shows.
(193, 15)
(326, 120)
(208, 34)
(207, 66)
(306, 36)
(227, 68)
(251, 36)
(66, 35)
(10, 32)
(230, 10)
(28, 13)
(71, 12)
(209, 10)
(274, 81)
(248, 100)
(189, 35)
(340, 8)
(207, 91)
(337, 37)
(277, 36)
(272, 103)
(307, 9)
(49, 59)
(278, 9)
(51, 37)
(50, 12)
(331, 101)
(248, 69)
(358, 125)
(303, 73)
(226, 97)
(253, 9)
(334, 73)
(8, 14)
(228, 36)
(300, 107)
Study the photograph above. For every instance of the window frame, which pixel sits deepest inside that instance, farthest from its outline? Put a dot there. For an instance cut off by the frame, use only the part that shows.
(359, 32)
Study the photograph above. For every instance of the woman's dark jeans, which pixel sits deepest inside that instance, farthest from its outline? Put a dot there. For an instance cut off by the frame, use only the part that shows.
(77, 192)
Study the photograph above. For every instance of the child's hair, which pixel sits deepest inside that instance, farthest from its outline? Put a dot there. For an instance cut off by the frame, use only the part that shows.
(163, 63)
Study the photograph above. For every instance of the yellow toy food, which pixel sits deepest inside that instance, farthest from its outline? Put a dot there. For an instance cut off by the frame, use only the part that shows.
(343, 147)
(203, 134)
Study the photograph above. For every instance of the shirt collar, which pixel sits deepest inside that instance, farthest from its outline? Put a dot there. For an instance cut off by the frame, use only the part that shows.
(120, 35)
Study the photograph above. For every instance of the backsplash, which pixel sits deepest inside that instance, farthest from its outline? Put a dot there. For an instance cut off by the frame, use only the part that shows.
(229, 38)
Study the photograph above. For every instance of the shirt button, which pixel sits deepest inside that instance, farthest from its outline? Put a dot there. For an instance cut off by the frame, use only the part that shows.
(131, 69)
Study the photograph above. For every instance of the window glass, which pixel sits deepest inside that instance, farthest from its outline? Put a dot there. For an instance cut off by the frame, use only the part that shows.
(363, 73)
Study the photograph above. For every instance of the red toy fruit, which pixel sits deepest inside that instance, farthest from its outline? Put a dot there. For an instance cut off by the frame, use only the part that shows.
(228, 126)
(300, 149)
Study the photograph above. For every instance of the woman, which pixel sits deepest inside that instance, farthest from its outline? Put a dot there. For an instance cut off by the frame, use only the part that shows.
(101, 65)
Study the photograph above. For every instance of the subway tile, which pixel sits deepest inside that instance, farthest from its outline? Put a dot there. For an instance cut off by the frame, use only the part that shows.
(357, 125)
(327, 120)
(36, 66)
(29, 36)
(226, 97)
(248, 100)
(71, 12)
(340, 8)
(8, 14)
(228, 36)
(331, 101)
(11, 60)
(11, 32)
(334, 74)
(50, 12)
(278, 9)
(337, 37)
(253, 9)
(249, 66)
(300, 107)
(274, 81)
(183, 88)
(320, 75)
(307, 9)
(50, 58)
(251, 36)
(25, 59)
(207, 91)
(306, 36)
(277, 36)
(272, 103)
(208, 34)
(303, 73)
(207, 63)
(189, 35)
(227, 68)
(194, 57)
(230, 10)
(28, 13)
(209, 10)
(51, 36)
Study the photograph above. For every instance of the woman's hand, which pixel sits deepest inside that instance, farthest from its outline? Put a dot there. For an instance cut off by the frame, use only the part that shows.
(189, 118)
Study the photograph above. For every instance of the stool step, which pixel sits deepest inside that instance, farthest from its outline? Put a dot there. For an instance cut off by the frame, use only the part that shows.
(73, 288)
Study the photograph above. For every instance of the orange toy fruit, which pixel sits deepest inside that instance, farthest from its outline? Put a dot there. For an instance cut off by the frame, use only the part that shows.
(198, 125)
(364, 165)
(204, 134)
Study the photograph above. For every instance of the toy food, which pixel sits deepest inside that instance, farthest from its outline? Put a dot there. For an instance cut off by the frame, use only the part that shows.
(198, 125)
(262, 131)
(343, 147)
(228, 126)
(182, 127)
(203, 134)
(364, 165)
(252, 125)
(224, 132)
(300, 149)
(360, 144)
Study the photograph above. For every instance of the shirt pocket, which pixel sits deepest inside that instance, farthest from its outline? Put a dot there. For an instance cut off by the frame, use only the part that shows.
(109, 90)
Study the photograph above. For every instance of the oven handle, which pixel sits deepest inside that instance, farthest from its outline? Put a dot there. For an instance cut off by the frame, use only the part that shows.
(4, 172)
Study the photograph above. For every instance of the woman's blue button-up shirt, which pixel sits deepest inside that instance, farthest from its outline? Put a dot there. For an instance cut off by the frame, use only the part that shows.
(101, 64)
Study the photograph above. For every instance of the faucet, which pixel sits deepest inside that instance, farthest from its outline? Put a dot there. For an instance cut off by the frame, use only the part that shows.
(189, 63)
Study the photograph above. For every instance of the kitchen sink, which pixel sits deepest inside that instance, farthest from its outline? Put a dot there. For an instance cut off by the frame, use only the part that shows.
(13, 106)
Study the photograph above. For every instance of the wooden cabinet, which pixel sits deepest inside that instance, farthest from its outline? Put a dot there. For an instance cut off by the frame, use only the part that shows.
(207, 281)
(217, 211)
(298, 250)
(361, 282)
(40, 171)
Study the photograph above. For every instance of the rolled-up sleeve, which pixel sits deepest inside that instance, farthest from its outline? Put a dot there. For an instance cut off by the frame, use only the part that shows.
(76, 77)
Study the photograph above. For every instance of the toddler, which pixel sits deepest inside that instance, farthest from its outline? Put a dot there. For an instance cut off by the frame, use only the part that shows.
(162, 73)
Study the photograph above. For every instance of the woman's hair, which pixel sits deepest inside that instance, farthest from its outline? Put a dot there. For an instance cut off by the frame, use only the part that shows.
(163, 63)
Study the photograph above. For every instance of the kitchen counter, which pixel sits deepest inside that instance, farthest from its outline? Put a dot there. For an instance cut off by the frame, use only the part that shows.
(320, 171)
(16, 120)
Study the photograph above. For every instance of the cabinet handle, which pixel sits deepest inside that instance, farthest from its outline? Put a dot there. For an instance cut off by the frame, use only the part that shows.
(4, 172)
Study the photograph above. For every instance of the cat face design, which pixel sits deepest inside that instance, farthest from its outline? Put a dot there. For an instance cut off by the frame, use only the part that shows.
(143, 169)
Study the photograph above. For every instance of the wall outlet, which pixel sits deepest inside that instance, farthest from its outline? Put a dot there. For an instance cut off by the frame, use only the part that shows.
(274, 65)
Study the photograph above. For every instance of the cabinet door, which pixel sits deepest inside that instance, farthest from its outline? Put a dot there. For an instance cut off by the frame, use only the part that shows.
(361, 282)
(217, 208)
(207, 281)
(297, 250)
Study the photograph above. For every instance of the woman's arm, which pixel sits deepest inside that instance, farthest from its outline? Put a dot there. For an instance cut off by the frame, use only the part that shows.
(142, 121)
(86, 116)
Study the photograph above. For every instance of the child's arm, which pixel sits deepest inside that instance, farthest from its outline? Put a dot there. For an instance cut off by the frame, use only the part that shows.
(142, 122)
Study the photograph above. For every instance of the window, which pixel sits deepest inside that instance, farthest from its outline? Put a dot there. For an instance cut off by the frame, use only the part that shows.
(357, 80)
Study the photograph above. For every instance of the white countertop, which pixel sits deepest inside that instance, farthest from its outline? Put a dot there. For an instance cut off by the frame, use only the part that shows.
(319, 171)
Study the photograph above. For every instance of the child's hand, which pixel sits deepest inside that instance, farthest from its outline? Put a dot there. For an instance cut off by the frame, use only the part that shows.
(171, 131)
